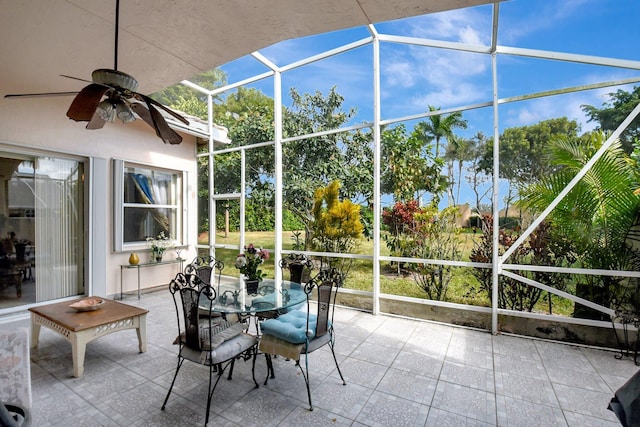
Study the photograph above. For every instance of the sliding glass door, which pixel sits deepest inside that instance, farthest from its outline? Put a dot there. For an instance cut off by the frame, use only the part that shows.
(41, 229)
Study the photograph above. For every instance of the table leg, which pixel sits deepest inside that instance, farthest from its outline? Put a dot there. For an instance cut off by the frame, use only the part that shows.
(141, 330)
(78, 349)
(35, 332)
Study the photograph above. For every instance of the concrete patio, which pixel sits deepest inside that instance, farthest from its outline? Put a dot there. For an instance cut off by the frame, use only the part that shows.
(399, 372)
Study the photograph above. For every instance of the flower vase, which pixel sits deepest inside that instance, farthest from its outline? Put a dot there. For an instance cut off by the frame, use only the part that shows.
(156, 255)
(134, 259)
(252, 286)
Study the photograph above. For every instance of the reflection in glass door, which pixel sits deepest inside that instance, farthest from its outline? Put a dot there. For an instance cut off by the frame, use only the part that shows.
(41, 229)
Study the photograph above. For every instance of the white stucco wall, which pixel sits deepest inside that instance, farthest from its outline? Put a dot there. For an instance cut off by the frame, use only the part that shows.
(41, 124)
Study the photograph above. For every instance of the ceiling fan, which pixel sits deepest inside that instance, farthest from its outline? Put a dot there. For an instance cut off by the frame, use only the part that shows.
(111, 94)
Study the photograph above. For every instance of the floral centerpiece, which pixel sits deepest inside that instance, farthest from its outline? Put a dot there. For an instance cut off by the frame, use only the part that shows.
(249, 262)
(159, 245)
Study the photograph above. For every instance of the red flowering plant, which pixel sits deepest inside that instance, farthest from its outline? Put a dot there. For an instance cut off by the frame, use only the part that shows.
(249, 262)
(401, 226)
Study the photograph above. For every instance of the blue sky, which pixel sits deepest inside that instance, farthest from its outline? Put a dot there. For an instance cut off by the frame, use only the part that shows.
(413, 77)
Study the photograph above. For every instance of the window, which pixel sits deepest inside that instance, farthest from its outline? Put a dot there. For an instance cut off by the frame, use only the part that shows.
(149, 201)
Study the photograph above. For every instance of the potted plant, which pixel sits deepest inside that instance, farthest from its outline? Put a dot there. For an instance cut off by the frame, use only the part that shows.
(299, 266)
(249, 265)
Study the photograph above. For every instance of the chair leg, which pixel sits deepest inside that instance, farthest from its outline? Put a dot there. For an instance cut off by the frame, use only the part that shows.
(220, 370)
(253, 366)
(336, 360)
(271, 373)
(233, 362)
(180, 361)
(306, 377)
(209, 394)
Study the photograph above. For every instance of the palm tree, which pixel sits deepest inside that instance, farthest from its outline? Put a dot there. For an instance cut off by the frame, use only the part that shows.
(458, 150)
(440, 127)
(476, 177)
(597, 214)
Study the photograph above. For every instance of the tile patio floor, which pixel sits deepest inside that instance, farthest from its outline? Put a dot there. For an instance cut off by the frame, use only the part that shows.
(399, 372)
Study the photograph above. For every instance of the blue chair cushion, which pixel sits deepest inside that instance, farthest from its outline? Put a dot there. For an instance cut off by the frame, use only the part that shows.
(291, 327)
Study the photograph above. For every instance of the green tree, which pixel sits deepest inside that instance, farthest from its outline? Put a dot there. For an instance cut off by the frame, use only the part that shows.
(475, 174)
(438, 128)
(308, 164)
(597, 214)
(190, 101)
(248, 114)
(408, 167)
(523, 150)
(458, 150)
(523, 153)
(614, 111)
(315, 162)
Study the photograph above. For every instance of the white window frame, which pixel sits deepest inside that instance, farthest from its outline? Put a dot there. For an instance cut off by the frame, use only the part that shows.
(178, 236)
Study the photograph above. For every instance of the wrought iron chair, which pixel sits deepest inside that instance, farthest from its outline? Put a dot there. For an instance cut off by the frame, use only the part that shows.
(293, 266)
(14, 416)
(208, 340)
(299, 267)
(627, 314)
(298, 332)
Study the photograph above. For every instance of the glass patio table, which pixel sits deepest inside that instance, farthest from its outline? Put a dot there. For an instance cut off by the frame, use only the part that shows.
(234, 298)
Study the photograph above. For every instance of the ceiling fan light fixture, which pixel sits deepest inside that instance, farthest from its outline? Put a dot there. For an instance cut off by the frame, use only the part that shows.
(124, 113)
(106, 110)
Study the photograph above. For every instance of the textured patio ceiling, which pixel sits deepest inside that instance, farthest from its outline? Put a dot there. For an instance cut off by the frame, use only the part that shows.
(165, 41)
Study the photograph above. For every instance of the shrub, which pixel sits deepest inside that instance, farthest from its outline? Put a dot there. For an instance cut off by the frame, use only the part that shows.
(336, 225)
(436, 236)
(540, 249)
(401, 225)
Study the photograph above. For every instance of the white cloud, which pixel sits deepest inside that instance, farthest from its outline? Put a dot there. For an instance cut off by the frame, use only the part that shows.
(470, 25)
(534, 111)
(470, 36)
(399, 73)
(423, 76)
(441, 77)
(445, 96)
(569, 105)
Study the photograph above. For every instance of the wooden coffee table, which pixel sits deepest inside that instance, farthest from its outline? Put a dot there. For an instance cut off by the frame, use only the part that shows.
(80, 328)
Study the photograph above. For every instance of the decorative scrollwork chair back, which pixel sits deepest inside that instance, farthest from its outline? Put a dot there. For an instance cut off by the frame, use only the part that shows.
(206, 268)
(207, 340)
(302, 332)
(209, 270)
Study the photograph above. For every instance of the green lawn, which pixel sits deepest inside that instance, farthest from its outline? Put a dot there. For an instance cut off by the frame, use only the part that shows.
(463, 288)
